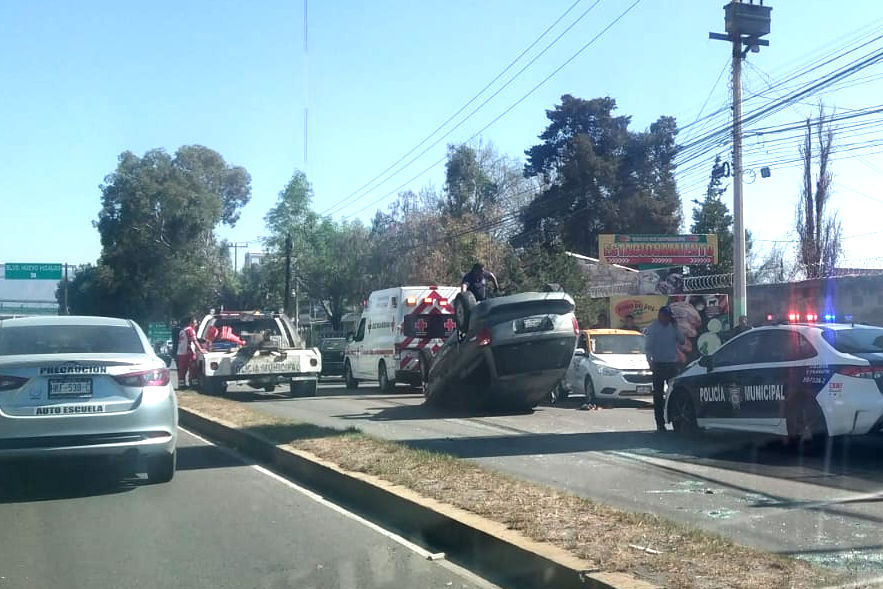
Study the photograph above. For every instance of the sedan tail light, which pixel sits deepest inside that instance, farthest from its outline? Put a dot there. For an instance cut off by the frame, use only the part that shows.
(871, 372)
(484, 338)
(575, 325)
(8, 383)
(146, 378)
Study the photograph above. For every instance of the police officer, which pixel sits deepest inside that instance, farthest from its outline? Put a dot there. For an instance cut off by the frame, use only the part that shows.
(476, 281)
(661, 347)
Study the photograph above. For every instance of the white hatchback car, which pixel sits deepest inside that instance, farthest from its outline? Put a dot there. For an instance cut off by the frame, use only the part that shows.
(608, 364)
(85, 386)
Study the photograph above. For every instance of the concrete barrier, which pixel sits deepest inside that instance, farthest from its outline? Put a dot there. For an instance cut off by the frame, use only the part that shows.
(488, 548)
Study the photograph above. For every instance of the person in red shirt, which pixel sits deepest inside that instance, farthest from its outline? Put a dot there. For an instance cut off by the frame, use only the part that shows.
(186, 355)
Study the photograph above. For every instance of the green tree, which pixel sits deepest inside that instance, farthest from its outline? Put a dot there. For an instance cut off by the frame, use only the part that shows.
(159, 255)
(468, 186)
(599, 177)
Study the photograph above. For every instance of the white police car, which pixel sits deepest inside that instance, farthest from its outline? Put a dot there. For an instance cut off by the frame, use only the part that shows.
(797, 380)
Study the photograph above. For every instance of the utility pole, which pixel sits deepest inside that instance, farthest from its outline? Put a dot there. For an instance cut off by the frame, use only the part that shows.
(236, 247)
(287, 295)
(67, 309)
(745, 24)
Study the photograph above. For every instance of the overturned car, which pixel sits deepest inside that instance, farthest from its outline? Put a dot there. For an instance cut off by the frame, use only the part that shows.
(507, 352)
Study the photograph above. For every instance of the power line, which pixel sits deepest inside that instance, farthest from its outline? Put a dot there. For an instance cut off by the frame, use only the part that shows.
(509, 109)
(344, 201)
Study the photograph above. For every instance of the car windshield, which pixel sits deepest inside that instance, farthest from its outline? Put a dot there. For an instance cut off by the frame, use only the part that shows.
(333, 345)
(69, 339)
(618, 344)
(855, 341)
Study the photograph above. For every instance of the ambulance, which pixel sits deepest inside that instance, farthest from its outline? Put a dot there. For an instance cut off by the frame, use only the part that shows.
(400, 331)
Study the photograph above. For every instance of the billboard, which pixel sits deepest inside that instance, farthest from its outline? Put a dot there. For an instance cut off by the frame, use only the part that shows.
(657, 250)
(703, 319)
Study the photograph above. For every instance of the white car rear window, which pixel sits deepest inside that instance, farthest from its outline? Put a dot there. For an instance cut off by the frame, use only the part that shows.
(69, 339)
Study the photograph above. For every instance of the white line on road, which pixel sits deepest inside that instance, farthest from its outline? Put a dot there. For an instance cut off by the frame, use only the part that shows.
(422, 552)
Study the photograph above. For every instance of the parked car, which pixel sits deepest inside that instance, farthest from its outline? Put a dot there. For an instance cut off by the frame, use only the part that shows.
(85, 386)
(506, 353)
(608, 364)
(332, 350)
(802, 381)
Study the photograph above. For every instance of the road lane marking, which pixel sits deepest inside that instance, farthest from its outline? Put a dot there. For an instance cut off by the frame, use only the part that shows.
(419, 550)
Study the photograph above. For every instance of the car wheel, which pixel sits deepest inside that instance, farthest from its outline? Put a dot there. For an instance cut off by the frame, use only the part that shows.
(383, 380)
(804, 421)
(302, 388)
(591, 397)
(212, 385)
(161, 469)
(682, 413)
(464, 303)
(351, 383)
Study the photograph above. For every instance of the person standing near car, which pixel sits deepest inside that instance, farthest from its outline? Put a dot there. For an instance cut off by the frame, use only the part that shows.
(186, 351)
(475, 281)
(661, 347)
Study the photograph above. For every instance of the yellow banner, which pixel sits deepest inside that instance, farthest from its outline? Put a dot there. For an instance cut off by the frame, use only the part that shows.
(643, 308)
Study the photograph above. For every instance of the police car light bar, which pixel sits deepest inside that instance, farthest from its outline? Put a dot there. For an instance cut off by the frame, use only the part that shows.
(793, 316)
(830, 317)
(812, 317)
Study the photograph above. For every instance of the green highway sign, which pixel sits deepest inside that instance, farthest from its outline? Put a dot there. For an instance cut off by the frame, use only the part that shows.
(158, 332)
(33, 271)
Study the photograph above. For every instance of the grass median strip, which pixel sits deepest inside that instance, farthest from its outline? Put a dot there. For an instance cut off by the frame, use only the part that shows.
(663, 552)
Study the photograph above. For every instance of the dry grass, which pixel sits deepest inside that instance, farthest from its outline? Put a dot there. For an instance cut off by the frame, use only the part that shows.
(597, 533)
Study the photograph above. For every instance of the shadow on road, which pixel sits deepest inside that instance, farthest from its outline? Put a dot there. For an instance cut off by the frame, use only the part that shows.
(25, 481)
(203, 457)
(847, 464)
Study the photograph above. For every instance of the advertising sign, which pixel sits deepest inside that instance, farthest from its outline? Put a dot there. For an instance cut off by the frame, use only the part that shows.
(703, 319)
(658, 250)
(643, 308)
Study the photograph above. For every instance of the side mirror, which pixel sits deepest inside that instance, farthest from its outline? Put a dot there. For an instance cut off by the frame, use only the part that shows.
(707, 362)
(350, 336)
(579, 352)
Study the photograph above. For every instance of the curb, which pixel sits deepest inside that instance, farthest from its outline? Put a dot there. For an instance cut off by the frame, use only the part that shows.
(487, 548)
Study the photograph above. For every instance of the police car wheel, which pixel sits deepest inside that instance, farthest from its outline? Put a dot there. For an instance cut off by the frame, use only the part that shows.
(681, 412)
(804, 421)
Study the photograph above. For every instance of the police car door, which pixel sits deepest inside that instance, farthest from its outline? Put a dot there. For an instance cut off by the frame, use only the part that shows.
(716, 393)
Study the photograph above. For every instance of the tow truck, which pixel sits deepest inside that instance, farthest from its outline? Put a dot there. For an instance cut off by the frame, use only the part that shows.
(263, 349)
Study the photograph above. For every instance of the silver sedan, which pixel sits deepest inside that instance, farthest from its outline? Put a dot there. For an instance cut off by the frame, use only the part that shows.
(85, 386)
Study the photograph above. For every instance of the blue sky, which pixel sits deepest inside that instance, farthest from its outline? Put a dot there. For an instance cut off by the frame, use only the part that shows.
(82, 82)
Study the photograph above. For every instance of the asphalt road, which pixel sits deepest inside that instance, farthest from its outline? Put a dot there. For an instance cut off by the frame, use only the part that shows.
(825, 507)
(220, 523)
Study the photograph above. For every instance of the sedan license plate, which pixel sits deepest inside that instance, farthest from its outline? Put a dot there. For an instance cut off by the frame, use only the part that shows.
(644, 389)
(532, 324)
(65, 388)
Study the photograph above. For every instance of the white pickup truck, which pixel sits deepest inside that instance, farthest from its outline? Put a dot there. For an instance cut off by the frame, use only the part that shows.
(265, 351)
